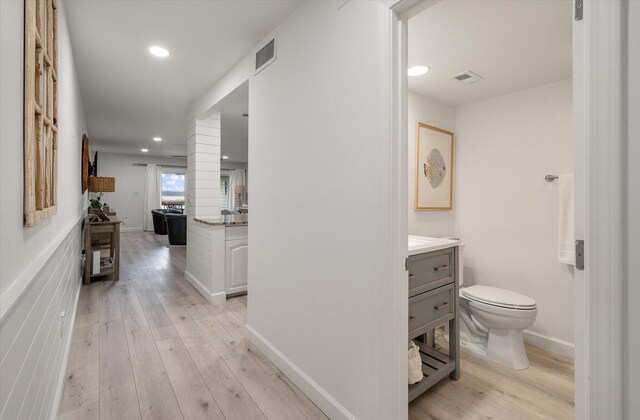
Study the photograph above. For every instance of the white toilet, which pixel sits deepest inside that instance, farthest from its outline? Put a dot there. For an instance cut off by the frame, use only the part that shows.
(493, 321)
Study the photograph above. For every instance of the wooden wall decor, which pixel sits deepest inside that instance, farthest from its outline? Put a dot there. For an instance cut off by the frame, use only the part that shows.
(86, 165)
(40, 109)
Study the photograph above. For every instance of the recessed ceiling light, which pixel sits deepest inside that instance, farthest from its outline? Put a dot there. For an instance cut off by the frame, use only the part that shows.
(225, 157)
(417, 70)
(159, 51)
(157, 139)
(144, 150)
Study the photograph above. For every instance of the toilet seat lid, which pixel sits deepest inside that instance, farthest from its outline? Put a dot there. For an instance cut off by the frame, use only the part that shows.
(499, 297)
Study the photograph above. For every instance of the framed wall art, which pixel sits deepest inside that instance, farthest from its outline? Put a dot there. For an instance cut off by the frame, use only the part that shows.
(434, 168)
(40, 110)
(86, 164)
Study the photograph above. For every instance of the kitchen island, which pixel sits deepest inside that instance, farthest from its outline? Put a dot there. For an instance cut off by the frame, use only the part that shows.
(217, 256)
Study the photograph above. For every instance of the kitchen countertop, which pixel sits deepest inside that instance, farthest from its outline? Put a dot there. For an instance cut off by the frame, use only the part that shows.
(227, 220)
(422, 244)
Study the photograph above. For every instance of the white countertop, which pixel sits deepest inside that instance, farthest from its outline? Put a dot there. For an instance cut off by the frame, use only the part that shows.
(422, 244)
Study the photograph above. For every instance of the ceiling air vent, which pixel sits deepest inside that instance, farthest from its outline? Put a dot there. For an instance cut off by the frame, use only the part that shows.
(266, 55)
(466, 77)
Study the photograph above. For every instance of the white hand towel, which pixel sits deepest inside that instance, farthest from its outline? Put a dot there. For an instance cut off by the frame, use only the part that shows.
(415, 364)
(566, 246)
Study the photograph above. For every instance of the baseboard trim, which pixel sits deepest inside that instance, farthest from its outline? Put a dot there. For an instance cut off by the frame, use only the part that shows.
(332, 408)
(214, 298)
(67, 351)
(131, 229)
(550, 344)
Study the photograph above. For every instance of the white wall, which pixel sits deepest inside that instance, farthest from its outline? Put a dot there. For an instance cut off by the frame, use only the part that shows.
(39, 266)
(128, 200)
(632, 269)
(315, 275)
(507, 213)
(19, 244)
(441, 223)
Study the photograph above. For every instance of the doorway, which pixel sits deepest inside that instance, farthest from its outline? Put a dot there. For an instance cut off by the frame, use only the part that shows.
(598, 41)
(486, 72)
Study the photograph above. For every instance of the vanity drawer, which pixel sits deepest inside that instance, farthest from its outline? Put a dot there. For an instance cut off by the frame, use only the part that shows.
(430, 309)
(430, 270)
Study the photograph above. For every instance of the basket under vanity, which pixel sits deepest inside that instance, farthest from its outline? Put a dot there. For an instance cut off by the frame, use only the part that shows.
(433, 301)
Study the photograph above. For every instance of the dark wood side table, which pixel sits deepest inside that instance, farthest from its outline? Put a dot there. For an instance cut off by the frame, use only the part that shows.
(102, 235)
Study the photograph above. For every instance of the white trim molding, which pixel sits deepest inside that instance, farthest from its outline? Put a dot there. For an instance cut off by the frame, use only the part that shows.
(550, 344)
(215, 298)
(598, 100)
(393, 82)
(329, 405)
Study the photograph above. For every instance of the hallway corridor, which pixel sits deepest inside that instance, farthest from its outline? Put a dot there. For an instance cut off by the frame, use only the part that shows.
(150, 346)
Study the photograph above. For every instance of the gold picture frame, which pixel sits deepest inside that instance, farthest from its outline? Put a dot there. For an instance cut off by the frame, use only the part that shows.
(434, 168)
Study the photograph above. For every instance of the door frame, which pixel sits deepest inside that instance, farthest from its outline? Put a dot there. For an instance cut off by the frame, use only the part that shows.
(599, 64)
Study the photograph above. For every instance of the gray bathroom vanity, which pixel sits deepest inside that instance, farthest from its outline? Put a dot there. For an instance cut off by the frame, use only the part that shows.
(432, 267)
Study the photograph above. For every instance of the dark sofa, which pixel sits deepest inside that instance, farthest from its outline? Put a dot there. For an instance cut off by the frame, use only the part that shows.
(159, 219)
(177, 228)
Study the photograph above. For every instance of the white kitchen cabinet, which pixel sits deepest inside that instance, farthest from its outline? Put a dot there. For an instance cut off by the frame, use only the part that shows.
(237, 253)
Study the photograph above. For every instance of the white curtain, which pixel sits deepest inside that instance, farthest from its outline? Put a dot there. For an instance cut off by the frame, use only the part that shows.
(237, 177)
(152, 194)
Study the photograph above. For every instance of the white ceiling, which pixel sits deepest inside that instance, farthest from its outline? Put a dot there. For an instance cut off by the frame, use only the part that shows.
(234, 128)
(513, 45)
(131, 96)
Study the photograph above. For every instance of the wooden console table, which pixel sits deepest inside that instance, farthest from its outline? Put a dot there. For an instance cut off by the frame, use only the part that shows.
(102, 235)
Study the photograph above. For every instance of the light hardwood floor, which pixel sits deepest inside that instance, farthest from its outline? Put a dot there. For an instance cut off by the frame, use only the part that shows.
(487, 390)
(150, 346)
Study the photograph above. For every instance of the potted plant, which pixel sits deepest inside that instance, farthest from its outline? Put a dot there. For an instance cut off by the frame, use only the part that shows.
(96, 208)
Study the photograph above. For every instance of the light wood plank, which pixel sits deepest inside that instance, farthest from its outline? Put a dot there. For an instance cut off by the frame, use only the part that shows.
(226, 346)
(89, 301)
(130, 305)
(192, 393)
(301, 401)
(158, 320)
(273, 403)
(145, 369)
(444, 394)
(243, 300)
(231, 323)
(155, 394)
(427, 410)
(82, 381)
(232, 398)
(528, 398)
(89, 412)
(182, 321)
(118, 399)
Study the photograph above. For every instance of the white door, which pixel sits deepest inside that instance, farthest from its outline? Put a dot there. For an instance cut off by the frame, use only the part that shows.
(237, 252)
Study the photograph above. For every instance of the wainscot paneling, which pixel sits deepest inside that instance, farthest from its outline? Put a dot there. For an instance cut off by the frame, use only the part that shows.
(36, 332)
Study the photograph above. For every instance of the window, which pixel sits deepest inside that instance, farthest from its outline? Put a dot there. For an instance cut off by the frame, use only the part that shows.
(224, 192)
(172, 190)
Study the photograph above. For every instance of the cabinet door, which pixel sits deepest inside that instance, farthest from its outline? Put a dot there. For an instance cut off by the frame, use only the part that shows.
(237, 252)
